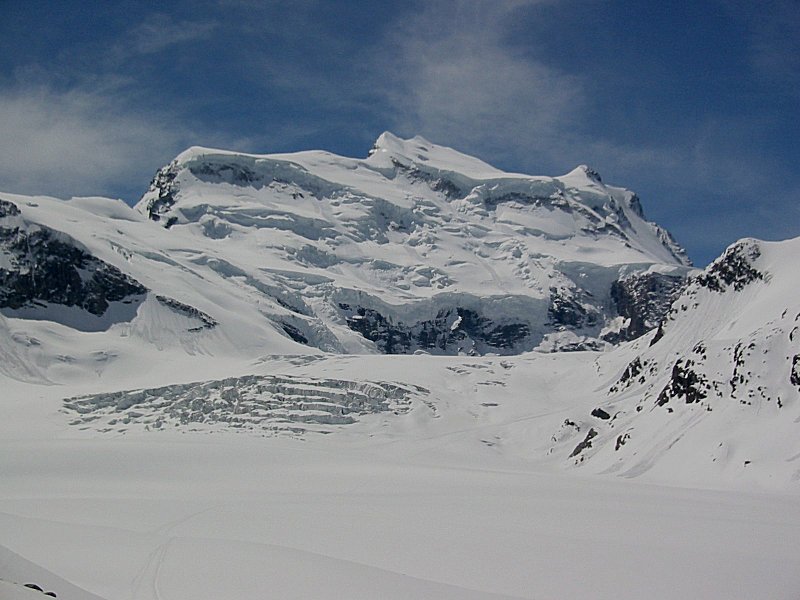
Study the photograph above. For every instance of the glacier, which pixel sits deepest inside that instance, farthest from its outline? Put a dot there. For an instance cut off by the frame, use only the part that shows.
(405, 375)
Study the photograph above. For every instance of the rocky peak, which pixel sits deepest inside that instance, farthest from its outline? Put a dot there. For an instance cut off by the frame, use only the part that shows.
(735, 268)
(39, 265)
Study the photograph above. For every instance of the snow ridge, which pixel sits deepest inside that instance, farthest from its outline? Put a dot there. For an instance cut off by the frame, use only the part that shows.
(713, 392)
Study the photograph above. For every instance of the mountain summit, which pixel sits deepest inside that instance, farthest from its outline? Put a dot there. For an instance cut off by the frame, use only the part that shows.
(421, 247)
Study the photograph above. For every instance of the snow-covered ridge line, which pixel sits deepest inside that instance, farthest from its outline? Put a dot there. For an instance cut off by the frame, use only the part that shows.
(717, 386)
(444, 169)
(414, 224)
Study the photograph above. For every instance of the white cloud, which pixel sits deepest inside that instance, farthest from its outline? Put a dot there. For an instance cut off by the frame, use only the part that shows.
(159, 32)
(453, 76)
(79, 141)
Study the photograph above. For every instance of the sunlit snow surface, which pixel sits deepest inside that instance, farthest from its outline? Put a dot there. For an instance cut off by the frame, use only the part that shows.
(448, 499)
(178, 454)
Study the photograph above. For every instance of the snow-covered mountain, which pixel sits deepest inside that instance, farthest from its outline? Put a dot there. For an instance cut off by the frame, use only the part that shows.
(421, 247)
(394, 377)
(229, 258)
(714, 392)
(416, 247)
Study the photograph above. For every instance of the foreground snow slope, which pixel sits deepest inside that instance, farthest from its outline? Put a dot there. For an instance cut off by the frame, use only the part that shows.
(196, 516)
(453, 497)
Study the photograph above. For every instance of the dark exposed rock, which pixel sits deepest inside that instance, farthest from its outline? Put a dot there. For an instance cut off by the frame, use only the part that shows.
(591, 173)
(601, 414)
(636, 371)
(585, 443)
(163, 189)
(635, 204)
(740, 352)
(47, 266)
(644, 300)
(294, 333)
(632, 370)
(8, 209)
(795, 375)
(38, 588)
(450, 331)
(390, 338)
(567, 311)
(700, 349)
(659, 334)
(621, 440)
(734, 268)
(685, 383)
(207, 321)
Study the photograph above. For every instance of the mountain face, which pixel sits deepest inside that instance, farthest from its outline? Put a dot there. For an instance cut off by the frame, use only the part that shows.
(415, 248)
(714, 391)
(42, 266)
(419, 247)
(262, 293)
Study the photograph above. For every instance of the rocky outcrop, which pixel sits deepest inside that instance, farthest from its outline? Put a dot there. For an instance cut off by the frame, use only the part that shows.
(452, 331)
(566, 311)
(39, 265)
(685, 383)
(734, 268)
(585, 444)
(8, 209)
(644, 301)
(161, 195)
(206, 321)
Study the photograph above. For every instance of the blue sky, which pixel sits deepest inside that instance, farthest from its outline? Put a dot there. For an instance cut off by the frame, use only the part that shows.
(694, 105)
